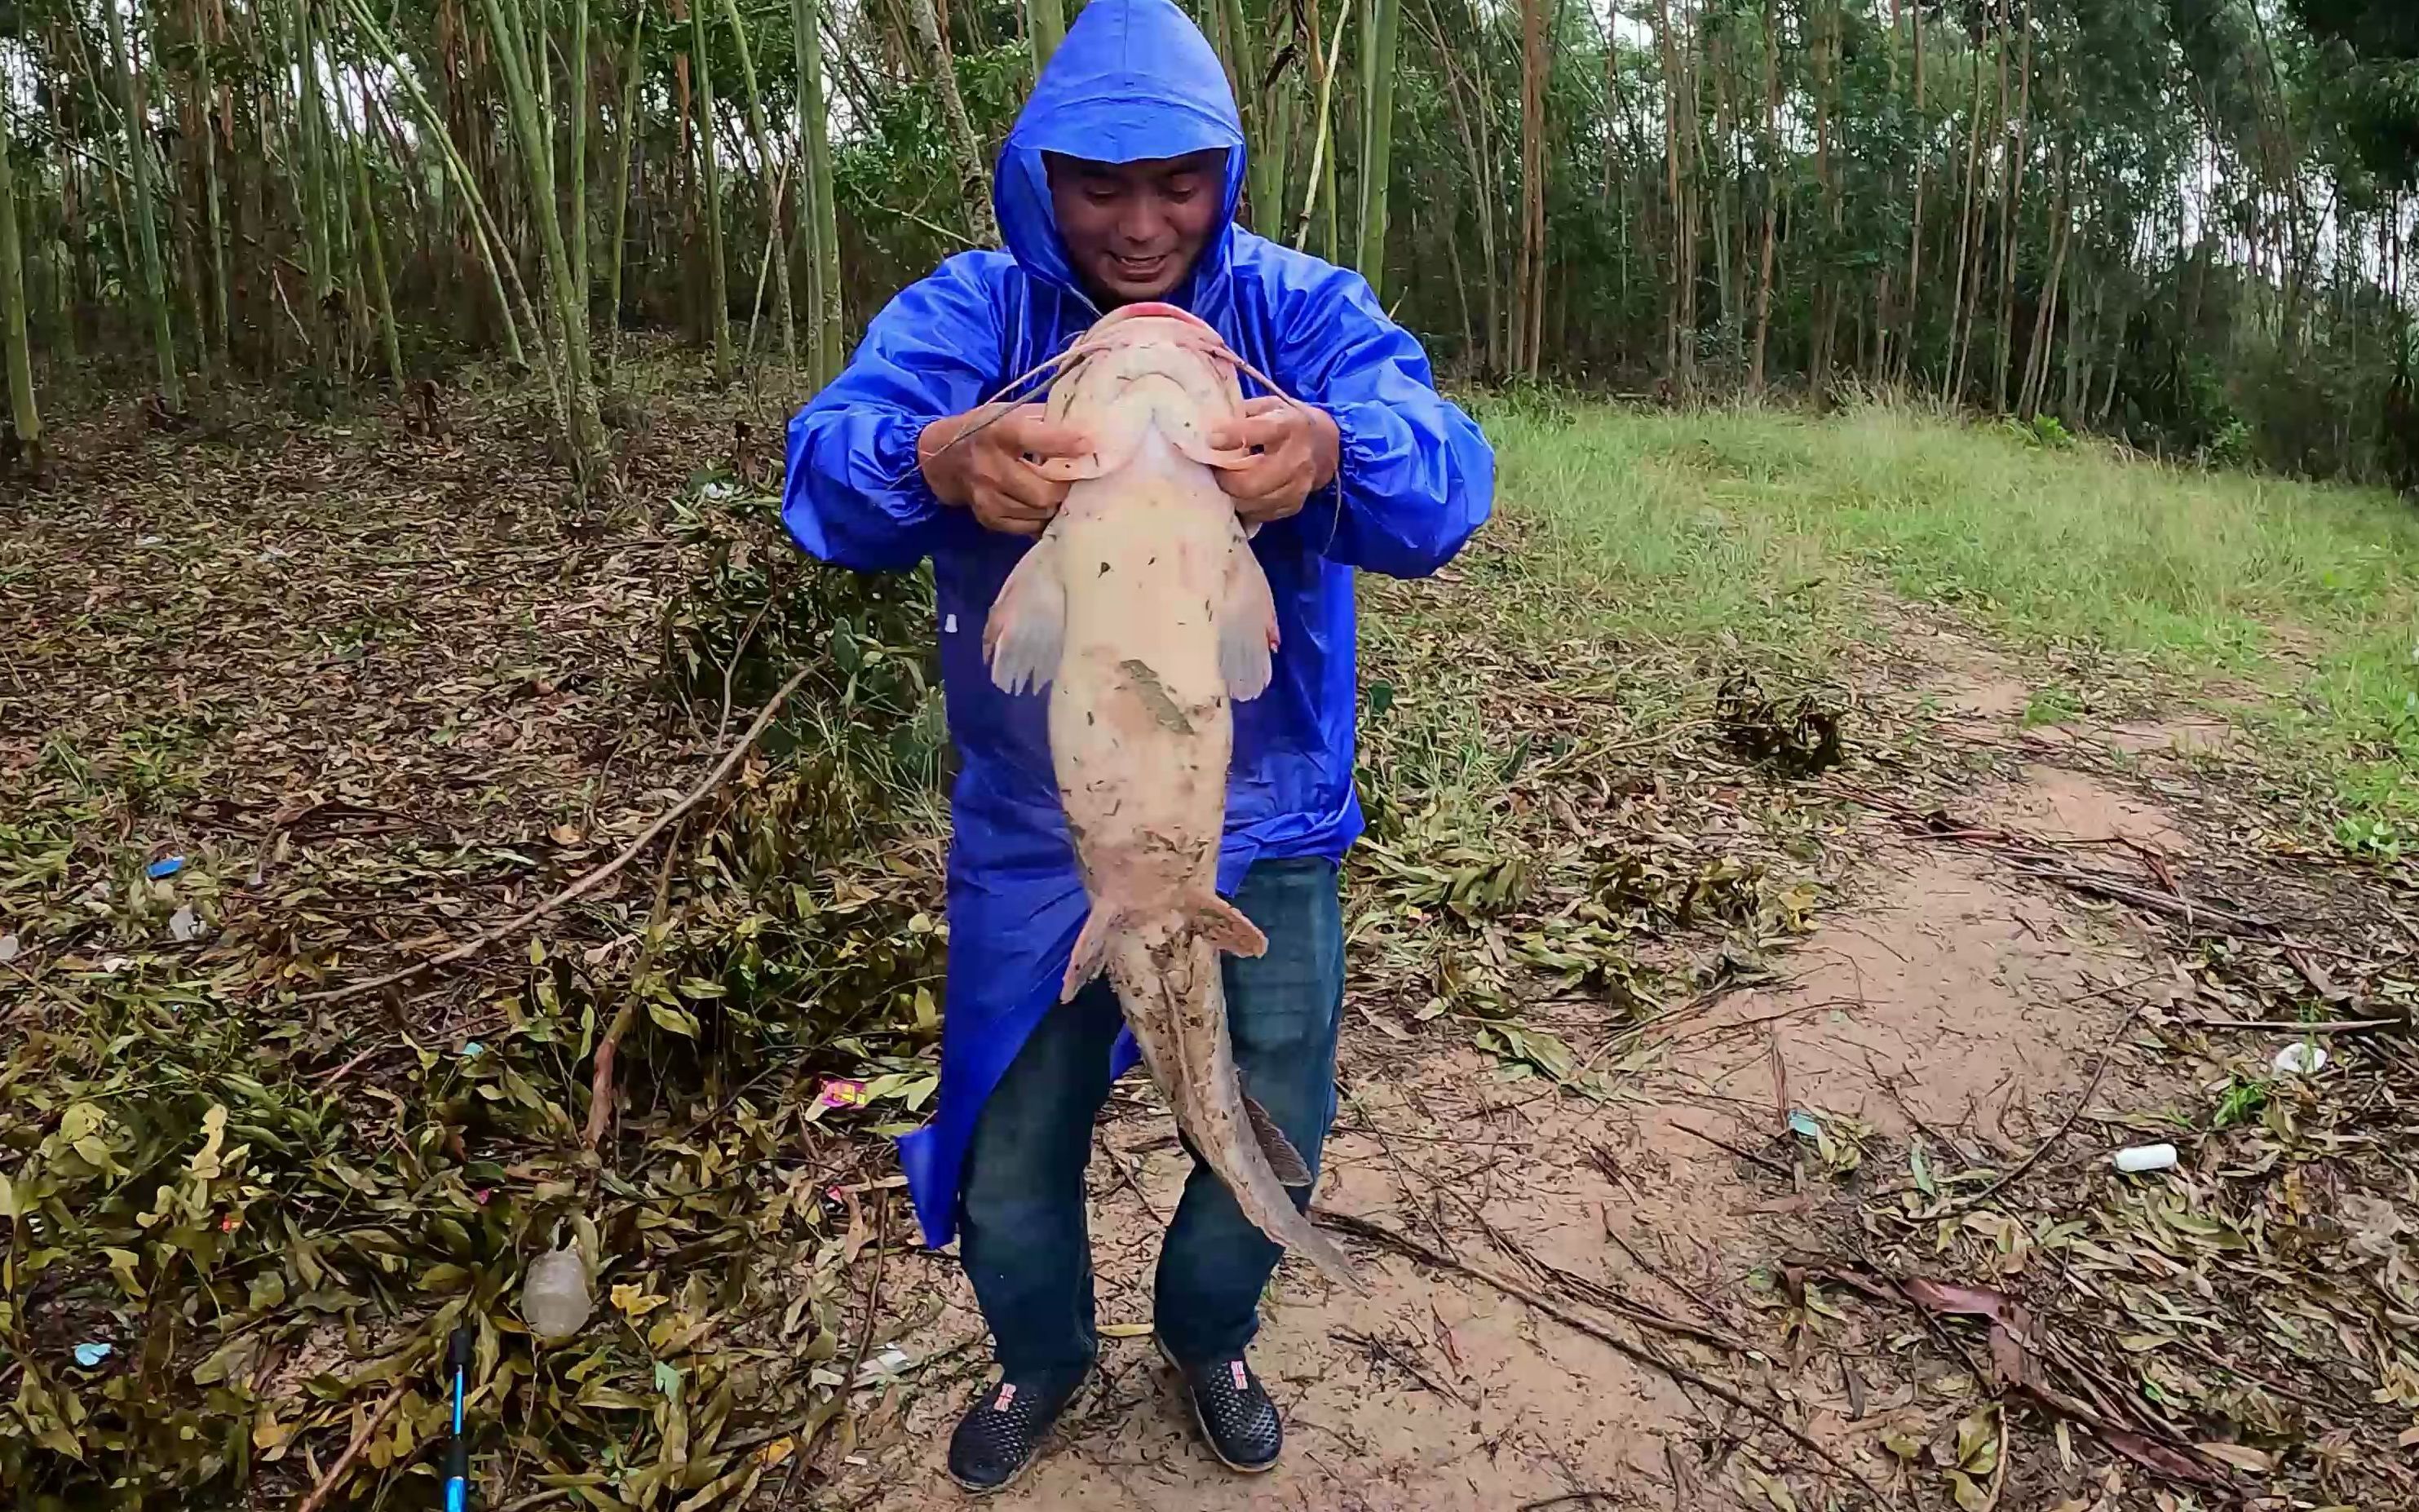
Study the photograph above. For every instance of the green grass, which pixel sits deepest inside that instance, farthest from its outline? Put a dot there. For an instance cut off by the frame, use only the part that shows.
(1775, 529)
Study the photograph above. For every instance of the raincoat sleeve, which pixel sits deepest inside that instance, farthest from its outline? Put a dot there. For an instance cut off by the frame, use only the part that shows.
(855, 495)
(1416, 479)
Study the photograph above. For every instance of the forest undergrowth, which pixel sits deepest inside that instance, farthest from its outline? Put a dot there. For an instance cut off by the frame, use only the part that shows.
(306, 710)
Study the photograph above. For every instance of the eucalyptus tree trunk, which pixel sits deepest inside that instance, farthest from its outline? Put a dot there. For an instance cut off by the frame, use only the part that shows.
(145, 239)
(762, 138)
(14, 344)
(1915, 215)
(1771, 141)
(1672, 278)
(1529, 298)
(2010, 216)
(578, 396)
(1381, 23)
(818, 215)
(626, 132)
(716, 280)
(1045, 23)
(973, 185)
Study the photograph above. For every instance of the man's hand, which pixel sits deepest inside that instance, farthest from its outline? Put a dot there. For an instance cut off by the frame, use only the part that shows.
(992, 470)
(1297, 450)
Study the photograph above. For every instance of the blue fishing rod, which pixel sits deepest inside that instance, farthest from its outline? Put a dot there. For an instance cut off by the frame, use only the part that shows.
(457, 1447)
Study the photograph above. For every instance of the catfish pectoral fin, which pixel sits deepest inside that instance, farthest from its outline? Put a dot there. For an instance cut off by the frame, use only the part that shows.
(1092, 951)
(1228, 928)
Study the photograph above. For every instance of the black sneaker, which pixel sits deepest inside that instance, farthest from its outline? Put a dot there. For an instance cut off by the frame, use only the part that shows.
(1002, 1433)
(1237, 1418)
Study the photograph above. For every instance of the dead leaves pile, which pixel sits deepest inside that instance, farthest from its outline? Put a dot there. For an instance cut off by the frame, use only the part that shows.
(332, 702)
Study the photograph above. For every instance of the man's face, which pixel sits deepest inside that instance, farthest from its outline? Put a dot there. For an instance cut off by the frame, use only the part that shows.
(1133, 229)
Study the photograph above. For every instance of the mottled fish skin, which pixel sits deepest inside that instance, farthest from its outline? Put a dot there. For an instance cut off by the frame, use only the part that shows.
(1143, 609)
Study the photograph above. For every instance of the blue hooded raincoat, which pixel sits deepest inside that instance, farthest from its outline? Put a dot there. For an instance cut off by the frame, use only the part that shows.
(1134, 79)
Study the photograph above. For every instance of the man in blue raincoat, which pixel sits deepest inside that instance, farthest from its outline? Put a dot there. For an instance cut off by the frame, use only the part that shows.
(1119, 184)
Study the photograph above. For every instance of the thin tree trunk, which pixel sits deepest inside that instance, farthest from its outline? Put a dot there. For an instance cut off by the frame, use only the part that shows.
(625, 128)
(1530, 295)
(312, 122)
(391, 346)
(1771, 199)
(1377, 135)
(1827, 295)
(1952, 366)
(973, 185)
(1915, 216)
(578, 398)
(2036, 378)
(1045, 23)
(485, 233)
(762, 137)
(709, 153)
(217, 321)
(1319, 189)
(576, 68)
(818, 214)
(2010, 213)
(1672, 274)
(14, 344)
(145, 237)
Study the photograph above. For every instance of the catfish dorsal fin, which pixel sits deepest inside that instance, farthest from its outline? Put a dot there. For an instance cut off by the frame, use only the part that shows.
(1285, 1162)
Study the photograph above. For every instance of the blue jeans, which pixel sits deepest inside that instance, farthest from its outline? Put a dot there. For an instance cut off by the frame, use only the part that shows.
(1021, 1205)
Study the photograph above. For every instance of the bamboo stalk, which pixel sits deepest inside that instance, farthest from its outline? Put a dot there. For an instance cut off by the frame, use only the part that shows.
(145, 231)
(627, 130)
(762, 138)
(818, 213)
(1378, 40)
(390, 347)
(14, 344)
(709, 171)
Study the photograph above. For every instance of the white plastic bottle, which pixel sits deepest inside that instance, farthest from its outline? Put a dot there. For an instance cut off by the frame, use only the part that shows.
(555, 1302)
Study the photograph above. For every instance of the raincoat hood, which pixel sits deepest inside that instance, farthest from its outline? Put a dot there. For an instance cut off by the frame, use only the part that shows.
(1134, 79)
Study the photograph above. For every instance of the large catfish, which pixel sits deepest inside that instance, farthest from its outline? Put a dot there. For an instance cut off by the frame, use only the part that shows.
(1144, 610)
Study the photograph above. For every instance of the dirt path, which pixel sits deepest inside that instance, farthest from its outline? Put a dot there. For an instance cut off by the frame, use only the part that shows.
(1950, 1008)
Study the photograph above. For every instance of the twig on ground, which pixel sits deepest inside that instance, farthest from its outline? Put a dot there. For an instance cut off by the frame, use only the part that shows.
(1768, 1164)
(588, 883)
(872, 1303)
(1635, 1352)
(2288, 1026)
(600, 1080)
(361, 1440)
(1125, 1174)
(2107, 1054)
(1410, 1367)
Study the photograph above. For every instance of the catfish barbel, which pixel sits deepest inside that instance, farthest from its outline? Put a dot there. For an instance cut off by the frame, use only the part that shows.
(1143, 610)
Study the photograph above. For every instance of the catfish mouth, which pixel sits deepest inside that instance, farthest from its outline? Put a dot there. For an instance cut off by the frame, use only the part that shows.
(1151, 309)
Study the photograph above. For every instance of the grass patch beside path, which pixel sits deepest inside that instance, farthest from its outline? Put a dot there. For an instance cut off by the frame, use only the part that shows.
(1749, 524)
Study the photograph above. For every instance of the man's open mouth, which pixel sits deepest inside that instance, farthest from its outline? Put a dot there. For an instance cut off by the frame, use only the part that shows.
(1139, 269)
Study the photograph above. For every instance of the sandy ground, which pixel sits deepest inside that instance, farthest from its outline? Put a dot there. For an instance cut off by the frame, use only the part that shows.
(1947, 1006)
